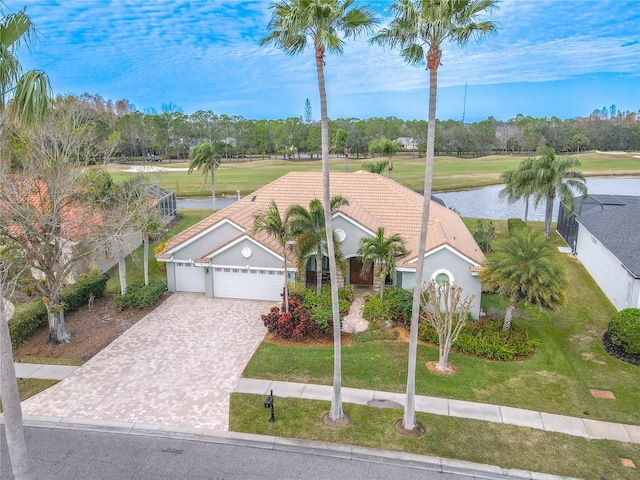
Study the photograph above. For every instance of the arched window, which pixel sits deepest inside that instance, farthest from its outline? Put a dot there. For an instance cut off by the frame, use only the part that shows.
(442, 276)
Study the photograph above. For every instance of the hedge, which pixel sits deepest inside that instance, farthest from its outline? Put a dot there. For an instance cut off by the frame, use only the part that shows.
(624, 330)
(32, 316)
(514, 224)
(140, 296)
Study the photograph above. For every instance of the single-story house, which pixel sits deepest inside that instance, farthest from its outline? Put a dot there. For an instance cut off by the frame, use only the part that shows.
(221, 257)
(604, 233)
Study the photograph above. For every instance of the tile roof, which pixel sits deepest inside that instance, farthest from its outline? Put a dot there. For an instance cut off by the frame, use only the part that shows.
(374, 201)
(616, 224)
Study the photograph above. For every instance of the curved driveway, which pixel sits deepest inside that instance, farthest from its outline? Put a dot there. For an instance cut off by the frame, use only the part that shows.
(176, 366)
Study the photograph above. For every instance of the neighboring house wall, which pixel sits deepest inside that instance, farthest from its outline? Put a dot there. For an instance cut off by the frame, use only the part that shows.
(615, 281)
(446, 261)
(216, 236)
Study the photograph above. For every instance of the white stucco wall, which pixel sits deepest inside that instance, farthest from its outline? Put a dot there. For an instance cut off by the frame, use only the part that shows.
(614, 280)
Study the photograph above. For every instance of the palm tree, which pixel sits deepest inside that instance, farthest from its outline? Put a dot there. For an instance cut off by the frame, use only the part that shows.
(552, 177)
(419, 28)
(382, 252)
(204, 156)
(28, 95)
(377, 167)
(294, 23)
(308, 229)
(525, 268)
(272, 223)
(27, 99)
(516, 187)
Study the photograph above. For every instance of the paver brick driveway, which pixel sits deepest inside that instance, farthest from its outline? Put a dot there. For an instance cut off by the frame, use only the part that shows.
(177, 366)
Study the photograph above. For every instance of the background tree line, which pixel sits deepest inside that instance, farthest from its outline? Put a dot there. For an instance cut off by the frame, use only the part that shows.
(171, 133)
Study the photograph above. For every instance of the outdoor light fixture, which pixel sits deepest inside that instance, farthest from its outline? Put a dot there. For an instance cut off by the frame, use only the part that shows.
(268, 403)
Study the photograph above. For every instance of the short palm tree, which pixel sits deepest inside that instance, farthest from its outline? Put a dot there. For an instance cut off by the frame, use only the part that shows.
(307, 227)
(420, 28)
(552, 177)
(271, 222)
(381, 253)
(205, 157)
(377, 167)
(293, 24)
(525, 268)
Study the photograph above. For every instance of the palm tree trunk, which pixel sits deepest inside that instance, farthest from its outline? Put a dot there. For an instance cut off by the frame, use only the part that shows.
(318, 273)
(548, 215)
(122, 269)
(145, 257)
(12, 411)
(526, 208)
(213, 186)
(409, 418)
(508, 315)
(286, 287)
(336, 414)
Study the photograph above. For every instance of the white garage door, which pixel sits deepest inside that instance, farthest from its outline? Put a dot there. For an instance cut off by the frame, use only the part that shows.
(189, 278)
(249, 284)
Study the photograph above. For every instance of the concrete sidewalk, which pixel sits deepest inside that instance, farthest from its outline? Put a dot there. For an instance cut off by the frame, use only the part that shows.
(578, 427)
(43, 372)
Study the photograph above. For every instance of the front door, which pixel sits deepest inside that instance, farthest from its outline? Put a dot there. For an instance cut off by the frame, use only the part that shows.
(356, 276)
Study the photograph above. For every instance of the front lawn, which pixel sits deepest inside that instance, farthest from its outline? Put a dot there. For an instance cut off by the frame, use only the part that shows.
(507, 446)
(569, 361)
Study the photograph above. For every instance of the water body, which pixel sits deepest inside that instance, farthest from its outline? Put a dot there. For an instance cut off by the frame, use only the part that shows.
(484, 202)
(479, 202)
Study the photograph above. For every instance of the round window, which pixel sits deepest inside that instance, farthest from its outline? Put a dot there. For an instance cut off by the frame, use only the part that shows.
(442, 278)
(341, 234)
(246, 252)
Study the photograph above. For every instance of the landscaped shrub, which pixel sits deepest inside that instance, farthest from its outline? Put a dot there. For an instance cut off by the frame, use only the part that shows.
(299, 323)
(394, 306)
(159, 249)
(77, 294)
(31, 316)
(27, 319)
(140, 296)
(484, 235)
(486, 338)
(624, 330)
(514, 224)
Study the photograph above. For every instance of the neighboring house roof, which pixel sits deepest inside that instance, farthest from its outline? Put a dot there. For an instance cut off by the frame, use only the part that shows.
(614, 220)
(374, 201)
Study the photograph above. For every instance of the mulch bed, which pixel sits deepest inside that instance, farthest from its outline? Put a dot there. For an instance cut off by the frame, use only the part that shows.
(617, 352)
(91, 329)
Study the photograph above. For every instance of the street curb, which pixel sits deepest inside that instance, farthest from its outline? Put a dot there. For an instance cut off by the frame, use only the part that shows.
(309, 447)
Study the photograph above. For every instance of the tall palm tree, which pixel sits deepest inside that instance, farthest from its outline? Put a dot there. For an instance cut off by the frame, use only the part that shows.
(271, 222)
(525, 268)
(552, 177)
(29, 98)
(381, 252)
(308, 228)
(27, 94)
(420, 28)
(516, 187)
(293, 24)
(205, 157)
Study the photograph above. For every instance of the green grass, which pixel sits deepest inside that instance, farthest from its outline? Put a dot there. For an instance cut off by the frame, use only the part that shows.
(134, 263)
(28, 387)
(569, 361)
(450, 173)
(483, 442)
(52, 361)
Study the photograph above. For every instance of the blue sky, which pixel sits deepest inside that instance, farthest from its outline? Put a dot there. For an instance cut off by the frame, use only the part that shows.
(560, 58)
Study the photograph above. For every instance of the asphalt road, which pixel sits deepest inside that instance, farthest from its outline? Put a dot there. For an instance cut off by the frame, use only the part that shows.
(88, 455)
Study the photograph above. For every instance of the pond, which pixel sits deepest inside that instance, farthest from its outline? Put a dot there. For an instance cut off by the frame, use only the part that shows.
(484, 202)
(477, 203)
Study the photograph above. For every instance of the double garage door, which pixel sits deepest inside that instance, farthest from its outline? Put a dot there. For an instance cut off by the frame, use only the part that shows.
(249, 284)
(231, 282)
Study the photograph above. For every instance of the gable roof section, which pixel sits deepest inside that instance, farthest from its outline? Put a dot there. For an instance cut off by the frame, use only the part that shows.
(616, 224)
(374, 201)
